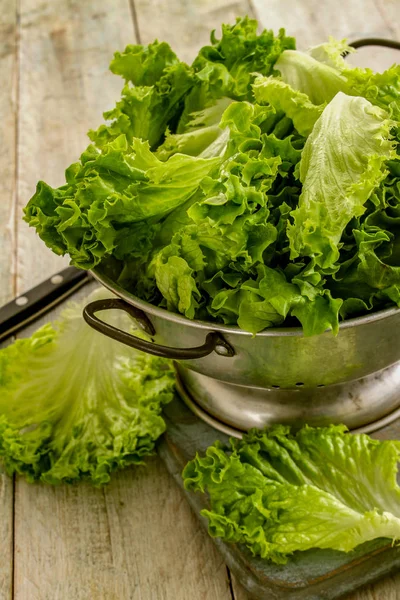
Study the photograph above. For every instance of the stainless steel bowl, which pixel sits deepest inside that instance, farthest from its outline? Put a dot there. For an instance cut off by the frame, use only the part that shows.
(236, 380)
(275, 358)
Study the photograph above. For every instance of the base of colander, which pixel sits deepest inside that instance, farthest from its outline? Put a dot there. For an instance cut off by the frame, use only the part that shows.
(364, 405)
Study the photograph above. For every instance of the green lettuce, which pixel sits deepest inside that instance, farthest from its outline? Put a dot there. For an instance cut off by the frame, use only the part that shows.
(164, 96)
(202, 136)
(144, 65)
(259, 186)
(109, 195)
(294, 104)
(318, 80)
(343, 162)
(156, 84)
(228, 65)
(228, 227)
(278, 492)
(322, 72)
(77, 405)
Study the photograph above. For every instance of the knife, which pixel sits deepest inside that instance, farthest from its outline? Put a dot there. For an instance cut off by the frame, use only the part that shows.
(37, 301)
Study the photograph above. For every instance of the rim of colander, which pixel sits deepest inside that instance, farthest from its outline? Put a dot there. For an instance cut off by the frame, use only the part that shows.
(210, 325)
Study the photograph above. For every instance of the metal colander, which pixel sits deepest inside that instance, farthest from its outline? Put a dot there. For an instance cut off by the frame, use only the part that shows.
(235, 380)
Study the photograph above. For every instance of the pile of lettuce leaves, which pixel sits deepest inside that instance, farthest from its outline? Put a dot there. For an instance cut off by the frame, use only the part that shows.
(76, 405)
(277, 491)
(259, 186)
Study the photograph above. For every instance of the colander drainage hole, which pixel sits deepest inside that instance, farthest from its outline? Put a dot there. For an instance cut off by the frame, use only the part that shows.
(276, 387)
(321, 385)
(299, 384)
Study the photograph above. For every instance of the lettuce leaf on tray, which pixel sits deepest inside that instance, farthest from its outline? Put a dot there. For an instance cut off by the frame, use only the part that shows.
(259, 186)
(278, 492)
(75, 404)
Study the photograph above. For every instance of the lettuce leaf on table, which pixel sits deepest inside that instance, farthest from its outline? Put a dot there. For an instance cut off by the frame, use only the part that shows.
(75, 404)
(279, 492)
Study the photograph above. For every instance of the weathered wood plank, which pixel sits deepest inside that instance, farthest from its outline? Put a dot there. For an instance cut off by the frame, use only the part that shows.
(8, 112)
(186, 25)
(65, 86)
(138, 535)
(136, 539)
(185, 563)
(390, 13)
(390, 10)
(387, 589)
(313, 21)
(6, 536)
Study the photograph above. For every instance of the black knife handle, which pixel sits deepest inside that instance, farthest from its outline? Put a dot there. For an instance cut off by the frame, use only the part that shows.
(29, 306)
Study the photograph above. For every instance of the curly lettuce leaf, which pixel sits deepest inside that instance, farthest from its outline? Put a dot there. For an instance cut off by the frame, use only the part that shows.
(107, 195)
(332, 53)
(322, 72)
(177, 285)
(278, 492)
(145, 112)
(77, 405)
(274, 299)
(240, 53)
(344, 160)
(156, 83)
(296, 105)
(203, 135)
(226, 68)
(381, 89)
(369, 274)
(206, 252)
(144, 65)
(319, 81)
(162, 93)
(222, 73)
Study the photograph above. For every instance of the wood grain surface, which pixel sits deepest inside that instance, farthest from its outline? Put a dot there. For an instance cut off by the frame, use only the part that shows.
(65, 85)
(8, 132)
(6, 537)
(8, 114)
(137, 539)
(186, 24)
(133, 540)
(313, 21)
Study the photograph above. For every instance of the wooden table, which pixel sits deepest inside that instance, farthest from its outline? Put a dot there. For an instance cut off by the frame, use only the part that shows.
(135, 539)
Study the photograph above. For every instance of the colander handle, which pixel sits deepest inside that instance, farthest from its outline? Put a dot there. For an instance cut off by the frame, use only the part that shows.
(373, 41)
(213, 342)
